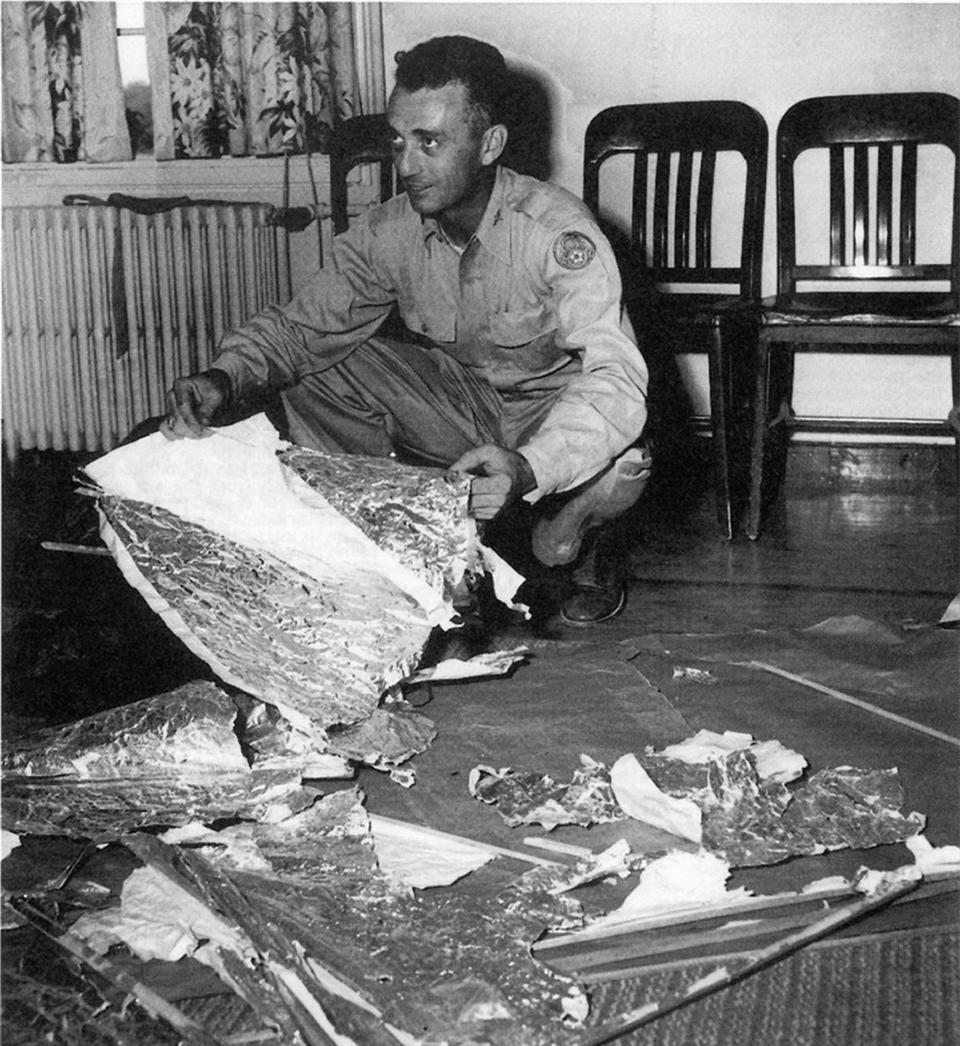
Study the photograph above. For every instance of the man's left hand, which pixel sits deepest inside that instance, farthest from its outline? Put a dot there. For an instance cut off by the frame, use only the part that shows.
(500, 476)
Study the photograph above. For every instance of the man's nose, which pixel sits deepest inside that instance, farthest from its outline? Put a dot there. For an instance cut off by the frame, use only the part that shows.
(404, 159)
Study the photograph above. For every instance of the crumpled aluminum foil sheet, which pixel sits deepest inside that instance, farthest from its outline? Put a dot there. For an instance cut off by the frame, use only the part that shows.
(165, 760)
(417, 514)
(323, 653)
(311, 581)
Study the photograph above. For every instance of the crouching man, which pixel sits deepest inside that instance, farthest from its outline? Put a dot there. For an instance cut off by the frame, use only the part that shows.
(515, 368)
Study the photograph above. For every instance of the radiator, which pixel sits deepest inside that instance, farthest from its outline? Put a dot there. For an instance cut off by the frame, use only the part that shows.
(104, 307)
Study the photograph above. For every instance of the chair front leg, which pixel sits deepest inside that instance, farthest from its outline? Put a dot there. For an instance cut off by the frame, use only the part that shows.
(721, 406)
(758, 443)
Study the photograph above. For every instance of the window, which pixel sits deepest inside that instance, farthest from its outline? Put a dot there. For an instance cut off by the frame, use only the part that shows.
(132, 51)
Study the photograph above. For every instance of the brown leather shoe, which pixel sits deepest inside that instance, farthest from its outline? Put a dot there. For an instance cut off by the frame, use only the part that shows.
(598, 587)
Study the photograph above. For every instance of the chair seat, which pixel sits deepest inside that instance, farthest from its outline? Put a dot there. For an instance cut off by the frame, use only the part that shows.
(694, 309)
(861, 309)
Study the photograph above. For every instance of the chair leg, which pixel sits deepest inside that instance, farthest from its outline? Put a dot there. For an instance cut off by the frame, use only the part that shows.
(953, 419)
(720, 400)
(758, 444)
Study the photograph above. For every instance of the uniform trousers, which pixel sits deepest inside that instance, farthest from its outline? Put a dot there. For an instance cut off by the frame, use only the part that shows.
(388, 396)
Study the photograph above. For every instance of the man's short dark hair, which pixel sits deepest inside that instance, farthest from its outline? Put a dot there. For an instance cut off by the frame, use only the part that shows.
(443, 60)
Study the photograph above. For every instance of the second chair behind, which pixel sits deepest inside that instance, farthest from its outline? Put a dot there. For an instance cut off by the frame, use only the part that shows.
(697, 169)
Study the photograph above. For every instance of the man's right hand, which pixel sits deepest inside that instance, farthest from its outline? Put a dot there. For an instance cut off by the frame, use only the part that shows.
(193, 402)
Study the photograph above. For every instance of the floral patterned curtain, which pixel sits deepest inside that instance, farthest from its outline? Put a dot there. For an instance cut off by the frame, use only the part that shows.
(62, 94)
(244, 79)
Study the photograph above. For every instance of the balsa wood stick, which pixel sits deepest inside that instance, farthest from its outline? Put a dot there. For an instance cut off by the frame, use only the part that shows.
(850, 700)
(84, 550)
(435, 833)
(153, 1003)
(555, 846)
(723, 977)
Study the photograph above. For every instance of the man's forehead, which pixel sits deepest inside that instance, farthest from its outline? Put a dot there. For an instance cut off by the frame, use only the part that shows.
(427, 107)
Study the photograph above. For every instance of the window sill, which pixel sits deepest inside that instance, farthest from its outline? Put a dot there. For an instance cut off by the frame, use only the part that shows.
(229, 178)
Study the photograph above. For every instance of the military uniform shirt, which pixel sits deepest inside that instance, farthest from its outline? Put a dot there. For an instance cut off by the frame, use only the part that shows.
(532, 304)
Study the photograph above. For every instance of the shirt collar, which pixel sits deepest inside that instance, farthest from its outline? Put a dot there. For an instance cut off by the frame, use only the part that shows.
(494, 229)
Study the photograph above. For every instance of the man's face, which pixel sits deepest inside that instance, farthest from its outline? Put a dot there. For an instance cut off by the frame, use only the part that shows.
(435, 149)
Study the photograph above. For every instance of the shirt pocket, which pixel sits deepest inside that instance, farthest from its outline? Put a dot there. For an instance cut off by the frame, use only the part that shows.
(519, 320)
(437, 324)
(425, 305)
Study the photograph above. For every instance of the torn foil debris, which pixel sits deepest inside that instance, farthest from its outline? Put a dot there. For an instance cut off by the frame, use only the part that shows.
(419, 859)
(639, 797)
(773, 760)
(187, 730)
(676, 883)
(437, 965)
(723, 804)
(752, 820)
(310, 581)
(385, 739)
(531, 798)
(164, 760)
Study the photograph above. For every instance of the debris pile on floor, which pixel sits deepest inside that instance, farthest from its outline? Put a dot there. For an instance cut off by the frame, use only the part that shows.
(204, 852)
(310, 581)
(296, 919)
(726, 793)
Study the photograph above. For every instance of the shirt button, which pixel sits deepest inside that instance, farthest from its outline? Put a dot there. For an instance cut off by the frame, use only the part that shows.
(424, 328)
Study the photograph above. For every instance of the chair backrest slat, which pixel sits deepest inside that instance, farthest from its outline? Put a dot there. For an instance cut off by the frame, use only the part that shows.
(863, 135)
(681, 213)
(884, 204)
(661, 212)
(861, 203)
(838, 208)
(708, 167)
(908, 205)
(680, 248)
(638, 217)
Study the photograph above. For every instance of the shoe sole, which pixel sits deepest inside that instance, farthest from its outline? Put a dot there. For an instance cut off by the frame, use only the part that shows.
(597, 620)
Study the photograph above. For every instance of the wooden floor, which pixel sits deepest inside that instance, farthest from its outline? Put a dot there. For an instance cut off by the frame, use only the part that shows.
(76, 637)
(890, 558)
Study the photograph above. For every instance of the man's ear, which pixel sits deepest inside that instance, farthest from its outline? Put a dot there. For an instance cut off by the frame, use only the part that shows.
(492, 144)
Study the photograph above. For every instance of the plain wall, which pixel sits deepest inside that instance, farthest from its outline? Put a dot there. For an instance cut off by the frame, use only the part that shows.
(582, 57)
(592, 55)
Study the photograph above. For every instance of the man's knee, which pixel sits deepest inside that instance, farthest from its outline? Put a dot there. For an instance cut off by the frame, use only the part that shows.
(558, 535)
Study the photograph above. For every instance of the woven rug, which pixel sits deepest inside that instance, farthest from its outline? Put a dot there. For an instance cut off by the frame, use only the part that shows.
(895, 989)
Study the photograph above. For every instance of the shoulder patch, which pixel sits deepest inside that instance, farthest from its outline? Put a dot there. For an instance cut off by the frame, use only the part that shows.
(573, 250)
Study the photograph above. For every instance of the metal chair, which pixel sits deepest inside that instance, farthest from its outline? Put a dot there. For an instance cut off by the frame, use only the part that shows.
(358, 140)
(871, 294)
(680, 298)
